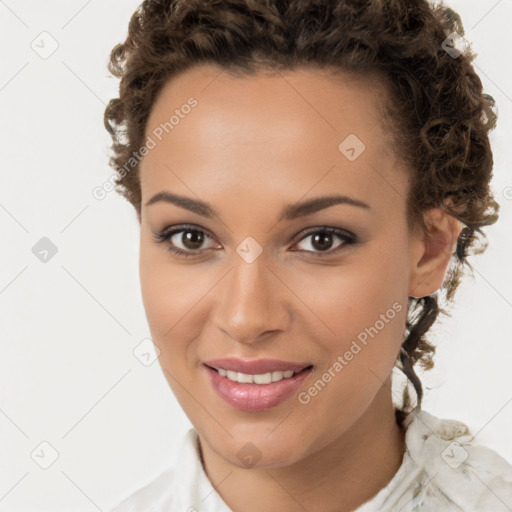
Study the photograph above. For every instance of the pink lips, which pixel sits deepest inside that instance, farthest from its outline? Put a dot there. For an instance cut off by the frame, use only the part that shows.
(256, 397)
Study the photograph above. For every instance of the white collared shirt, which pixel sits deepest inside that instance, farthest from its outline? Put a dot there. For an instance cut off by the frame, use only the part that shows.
(443, 469)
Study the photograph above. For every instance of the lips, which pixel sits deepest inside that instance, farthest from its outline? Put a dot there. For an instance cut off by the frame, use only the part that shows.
(252, 397)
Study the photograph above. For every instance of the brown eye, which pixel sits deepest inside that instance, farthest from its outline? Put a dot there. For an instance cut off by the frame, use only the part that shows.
(184, 240)
(192, 239)
(322, 240)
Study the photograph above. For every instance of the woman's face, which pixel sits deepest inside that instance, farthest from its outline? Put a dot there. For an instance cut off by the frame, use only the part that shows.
(275, 271)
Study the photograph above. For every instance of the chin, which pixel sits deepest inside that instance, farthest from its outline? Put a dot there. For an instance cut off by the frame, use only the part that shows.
(256, 450)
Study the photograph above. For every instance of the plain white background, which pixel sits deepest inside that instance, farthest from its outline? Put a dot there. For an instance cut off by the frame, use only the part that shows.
(68, 373)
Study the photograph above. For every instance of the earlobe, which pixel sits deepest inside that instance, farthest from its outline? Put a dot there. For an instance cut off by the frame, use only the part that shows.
(431, 252)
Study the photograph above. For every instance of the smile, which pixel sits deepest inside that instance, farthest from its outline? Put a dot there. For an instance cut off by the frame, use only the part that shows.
(260, 378)
(260, 390)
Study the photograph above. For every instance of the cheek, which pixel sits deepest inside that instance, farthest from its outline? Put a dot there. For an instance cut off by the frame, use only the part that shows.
(174, 302)
(344, 300)
(164, 293)
(361, 311)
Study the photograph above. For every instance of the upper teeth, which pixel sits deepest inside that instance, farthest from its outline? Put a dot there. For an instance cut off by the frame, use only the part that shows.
(262, 378)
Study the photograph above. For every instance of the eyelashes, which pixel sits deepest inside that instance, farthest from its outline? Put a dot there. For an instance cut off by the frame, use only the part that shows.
(165, 237)
(167, 234)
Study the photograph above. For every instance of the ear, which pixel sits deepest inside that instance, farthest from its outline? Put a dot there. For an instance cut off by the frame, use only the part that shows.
(431, 251)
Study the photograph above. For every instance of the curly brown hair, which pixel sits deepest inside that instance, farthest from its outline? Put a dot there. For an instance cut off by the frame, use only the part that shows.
(437, 113)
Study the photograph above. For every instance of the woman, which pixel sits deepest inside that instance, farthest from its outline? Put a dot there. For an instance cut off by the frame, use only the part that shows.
(246, 133)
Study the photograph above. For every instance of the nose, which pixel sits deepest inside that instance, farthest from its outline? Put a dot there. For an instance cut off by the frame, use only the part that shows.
(252, 303)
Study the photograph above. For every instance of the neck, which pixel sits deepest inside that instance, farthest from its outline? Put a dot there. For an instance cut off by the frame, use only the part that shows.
(340, 477)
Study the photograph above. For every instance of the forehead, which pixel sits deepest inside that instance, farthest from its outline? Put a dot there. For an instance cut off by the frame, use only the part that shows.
(275, 133)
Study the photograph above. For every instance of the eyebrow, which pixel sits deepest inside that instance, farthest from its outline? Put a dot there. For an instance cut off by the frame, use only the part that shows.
(289, 212)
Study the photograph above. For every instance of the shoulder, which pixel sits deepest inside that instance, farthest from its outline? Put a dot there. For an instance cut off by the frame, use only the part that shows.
(149, 497)
(454, 470)
(168, 488)
(183, 486)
